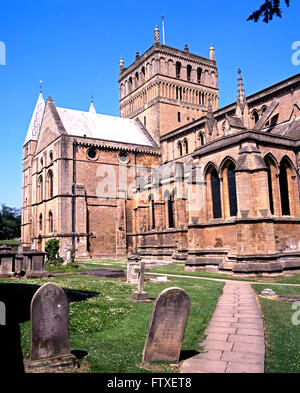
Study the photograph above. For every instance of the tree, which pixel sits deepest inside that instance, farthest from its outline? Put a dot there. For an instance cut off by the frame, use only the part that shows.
(10, 223)
(268, 9)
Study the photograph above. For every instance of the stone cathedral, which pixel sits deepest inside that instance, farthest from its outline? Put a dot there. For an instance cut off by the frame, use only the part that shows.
(175, 177)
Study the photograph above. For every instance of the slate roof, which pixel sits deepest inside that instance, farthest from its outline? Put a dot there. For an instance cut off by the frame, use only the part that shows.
(36, 120)
(289, 129)
(104, 127)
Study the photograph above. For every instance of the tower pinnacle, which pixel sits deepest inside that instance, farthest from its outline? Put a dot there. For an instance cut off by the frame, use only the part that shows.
(156, 34)
(241, 98)
(212, 52)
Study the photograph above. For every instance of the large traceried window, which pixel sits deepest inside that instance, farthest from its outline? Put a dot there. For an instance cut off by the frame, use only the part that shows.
(215, 194)
(231, 184)
(284, 187)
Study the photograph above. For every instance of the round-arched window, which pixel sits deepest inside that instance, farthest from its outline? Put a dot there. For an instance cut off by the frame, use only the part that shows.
(123, 157)
(92, 153)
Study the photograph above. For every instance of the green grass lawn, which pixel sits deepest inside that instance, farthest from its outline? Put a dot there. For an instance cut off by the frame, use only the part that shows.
(9, 242)
(281, 335)
(110, 330)
(178, 268)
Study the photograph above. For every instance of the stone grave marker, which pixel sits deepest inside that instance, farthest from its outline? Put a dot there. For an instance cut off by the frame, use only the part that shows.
(167, 326)
(50, 346)
(35, 263)
(7, 260)
(140, 295)
(132, 263)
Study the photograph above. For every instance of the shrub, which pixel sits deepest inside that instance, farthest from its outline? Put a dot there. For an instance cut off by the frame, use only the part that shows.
(51, 249)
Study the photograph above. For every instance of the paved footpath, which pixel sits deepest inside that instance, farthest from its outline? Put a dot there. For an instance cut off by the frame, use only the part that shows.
(235, 335)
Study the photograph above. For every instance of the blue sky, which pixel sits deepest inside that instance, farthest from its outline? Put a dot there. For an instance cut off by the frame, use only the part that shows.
(75, 47)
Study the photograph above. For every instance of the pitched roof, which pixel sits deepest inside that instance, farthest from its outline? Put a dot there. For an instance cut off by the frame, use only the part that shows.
(290, 129)
(36, 120)
(104, 127)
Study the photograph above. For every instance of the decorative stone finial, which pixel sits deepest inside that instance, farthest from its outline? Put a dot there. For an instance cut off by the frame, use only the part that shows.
(241, 98)
(212, 52)
(210, 119)
(156, 34)
(186, 48)
(121, 64)
(137, 56)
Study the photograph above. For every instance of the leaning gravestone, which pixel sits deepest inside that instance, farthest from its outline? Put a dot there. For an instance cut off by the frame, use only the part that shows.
(167, 326)
(50, 347)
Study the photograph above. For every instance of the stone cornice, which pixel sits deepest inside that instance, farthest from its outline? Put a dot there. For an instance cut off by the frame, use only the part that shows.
(105, 144)
(235, 139)
(166, 50)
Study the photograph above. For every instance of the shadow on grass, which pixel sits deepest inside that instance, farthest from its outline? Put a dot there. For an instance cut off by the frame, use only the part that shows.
(17, 299)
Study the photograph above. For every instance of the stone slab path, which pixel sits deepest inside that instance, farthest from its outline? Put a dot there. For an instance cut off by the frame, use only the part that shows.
(235, 335)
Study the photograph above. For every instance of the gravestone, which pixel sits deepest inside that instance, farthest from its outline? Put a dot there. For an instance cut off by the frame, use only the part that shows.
(167, 326)
(132, 263)
(50, 346)
(140, 295)
(7, 261)
(35, 262)
(20, 264)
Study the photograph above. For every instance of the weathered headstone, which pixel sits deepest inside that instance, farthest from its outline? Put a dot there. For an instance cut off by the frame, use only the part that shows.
(50, 346)
(35, 261)
(132, 263)
(7, 260)
(140, 295)
(20, 264)
(167, 326)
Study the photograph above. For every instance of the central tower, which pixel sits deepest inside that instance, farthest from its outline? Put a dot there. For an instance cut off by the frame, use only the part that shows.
(166, 88)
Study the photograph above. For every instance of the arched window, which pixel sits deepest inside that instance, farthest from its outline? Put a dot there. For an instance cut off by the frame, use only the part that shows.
(201, 138)
(170, 208)
(231, 184)
(179, 144)
(40, 188)
(41, 222)
(152, 212)
(199, 73)
(178, 69)
(186, 146)
(255, 116)
(284, 188)
(263, 109)
(50, 184)
(270, 185)
(51, 227)
(216, 194)
(189, 72)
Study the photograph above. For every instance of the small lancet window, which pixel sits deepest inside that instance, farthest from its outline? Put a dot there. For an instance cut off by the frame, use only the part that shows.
(189, 72)
(199, 73)
(178, 69)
